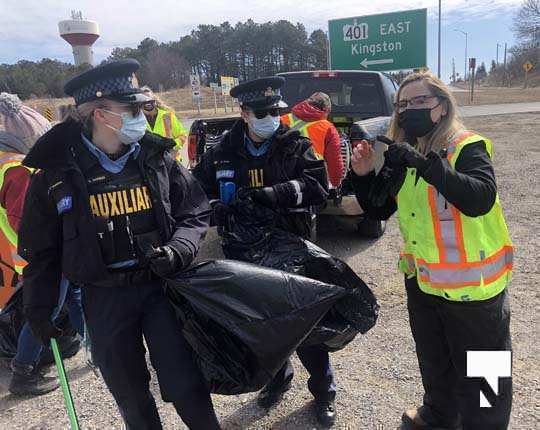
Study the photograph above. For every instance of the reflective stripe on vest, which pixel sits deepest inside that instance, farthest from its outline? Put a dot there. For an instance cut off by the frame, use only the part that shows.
(314, 130)
(167, 124)
(460, 257)
(8, 237)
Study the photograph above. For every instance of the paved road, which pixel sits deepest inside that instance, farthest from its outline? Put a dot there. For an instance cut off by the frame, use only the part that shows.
(498, 109)
(469, 111)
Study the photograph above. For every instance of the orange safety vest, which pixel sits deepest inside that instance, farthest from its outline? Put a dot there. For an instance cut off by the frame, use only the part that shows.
(315, 130)
(11, 264)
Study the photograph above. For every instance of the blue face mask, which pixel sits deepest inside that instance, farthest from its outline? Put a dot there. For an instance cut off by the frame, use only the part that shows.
(133, 128)
(264, 127)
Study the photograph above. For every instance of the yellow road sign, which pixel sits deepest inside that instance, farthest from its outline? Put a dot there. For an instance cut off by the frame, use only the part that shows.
(527, 66)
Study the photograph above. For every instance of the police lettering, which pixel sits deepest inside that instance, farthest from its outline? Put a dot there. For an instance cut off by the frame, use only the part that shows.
(121, 202)
(256, 178)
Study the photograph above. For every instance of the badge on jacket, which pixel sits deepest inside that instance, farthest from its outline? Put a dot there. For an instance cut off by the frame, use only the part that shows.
(64, 205)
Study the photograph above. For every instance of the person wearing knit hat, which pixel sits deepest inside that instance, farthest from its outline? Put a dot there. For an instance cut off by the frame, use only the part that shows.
(23, 126)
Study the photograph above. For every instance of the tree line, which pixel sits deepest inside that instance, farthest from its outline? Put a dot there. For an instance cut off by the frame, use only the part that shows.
(246, 50)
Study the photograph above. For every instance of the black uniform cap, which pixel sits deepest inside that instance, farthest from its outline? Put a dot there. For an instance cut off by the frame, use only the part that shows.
(260, 93)
(114, 80)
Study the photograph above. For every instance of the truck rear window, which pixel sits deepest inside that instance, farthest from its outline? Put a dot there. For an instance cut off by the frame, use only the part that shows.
(358, 94)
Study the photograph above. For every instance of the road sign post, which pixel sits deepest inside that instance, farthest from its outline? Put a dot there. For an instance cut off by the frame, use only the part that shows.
(472, 67)
(390, 41)
(196, 91)
(527, 66)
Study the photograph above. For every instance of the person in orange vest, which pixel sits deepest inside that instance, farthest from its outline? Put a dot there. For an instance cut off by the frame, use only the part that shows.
(22, 127)
(162, 120)
(310, 118)
(456, 257)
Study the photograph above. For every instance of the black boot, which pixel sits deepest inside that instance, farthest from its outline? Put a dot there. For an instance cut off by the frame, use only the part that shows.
(29, 381)
(268, 398)
(325, 411)
(412, 420)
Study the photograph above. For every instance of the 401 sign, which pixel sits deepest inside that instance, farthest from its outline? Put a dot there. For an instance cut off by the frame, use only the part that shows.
(390, 41)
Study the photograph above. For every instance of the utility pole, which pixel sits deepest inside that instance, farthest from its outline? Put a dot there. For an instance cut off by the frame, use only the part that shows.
(504, 74)
(466, 60)
(439, 53)
(453, 71)
(328, 57)
(497, 58)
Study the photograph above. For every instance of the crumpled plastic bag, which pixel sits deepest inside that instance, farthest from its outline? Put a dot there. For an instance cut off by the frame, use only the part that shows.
(251, 235)
(243, 321)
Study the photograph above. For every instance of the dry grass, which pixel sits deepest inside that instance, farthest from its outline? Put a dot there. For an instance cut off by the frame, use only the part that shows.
(498, 95)
(180, 100)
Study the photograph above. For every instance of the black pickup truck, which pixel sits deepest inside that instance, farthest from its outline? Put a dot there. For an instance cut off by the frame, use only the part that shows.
(362, 103)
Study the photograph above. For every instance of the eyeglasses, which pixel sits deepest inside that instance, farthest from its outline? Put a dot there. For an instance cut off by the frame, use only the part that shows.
(413, 102)
(261, 113)
(149, 106)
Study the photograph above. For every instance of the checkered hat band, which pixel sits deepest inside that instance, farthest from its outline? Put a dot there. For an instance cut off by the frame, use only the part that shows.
(107, 86)
(251, 96)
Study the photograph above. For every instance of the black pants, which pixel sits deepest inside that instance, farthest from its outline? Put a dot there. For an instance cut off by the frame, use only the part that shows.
(443, 332)
(117, 319)
(321, 375)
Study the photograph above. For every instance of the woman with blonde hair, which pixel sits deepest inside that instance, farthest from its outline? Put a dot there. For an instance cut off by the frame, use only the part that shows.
(457, 253)
(162, 121)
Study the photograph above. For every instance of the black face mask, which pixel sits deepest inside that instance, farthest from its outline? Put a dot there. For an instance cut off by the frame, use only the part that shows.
(416, 122)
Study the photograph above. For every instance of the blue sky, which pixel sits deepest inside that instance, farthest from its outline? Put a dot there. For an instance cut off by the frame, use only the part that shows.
(28, 28)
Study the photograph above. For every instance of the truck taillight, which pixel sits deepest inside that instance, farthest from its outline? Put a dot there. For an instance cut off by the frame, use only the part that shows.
(192, 149)
(325, 74)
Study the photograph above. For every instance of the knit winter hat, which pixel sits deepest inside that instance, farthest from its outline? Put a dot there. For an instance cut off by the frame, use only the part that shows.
(21, 121)
(321, 101)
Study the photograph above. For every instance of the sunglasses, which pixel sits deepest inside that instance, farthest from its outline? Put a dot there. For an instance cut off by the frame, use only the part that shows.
(261, 113)
(149, 106)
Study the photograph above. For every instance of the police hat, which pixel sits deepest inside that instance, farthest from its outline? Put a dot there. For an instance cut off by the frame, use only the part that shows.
(114, 81)
(260, 93)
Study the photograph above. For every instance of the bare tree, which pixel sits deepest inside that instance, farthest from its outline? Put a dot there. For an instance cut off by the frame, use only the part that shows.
(527, 22)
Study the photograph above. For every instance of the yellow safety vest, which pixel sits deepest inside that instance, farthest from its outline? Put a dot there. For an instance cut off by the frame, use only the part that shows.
(167, 125)
(8, 237)
(453, 256)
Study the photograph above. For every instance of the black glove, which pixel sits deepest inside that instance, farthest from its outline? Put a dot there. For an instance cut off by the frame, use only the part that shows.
(164, 261)
(400, 154)
(41, 325)
(265, 196)
(220, 213)
(386, 184)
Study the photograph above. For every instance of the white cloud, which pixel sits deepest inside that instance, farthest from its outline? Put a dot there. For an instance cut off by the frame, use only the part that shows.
(28, 28)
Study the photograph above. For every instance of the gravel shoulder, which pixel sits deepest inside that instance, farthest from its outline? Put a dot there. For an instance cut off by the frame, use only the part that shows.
(377, 374)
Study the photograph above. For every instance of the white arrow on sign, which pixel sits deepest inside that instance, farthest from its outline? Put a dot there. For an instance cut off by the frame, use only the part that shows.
(365, 63)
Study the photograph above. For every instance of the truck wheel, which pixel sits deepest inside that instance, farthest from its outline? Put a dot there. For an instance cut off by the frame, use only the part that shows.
(372, 229)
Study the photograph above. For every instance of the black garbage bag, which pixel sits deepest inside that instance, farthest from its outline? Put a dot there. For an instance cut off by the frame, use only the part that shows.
(11, 322)
(243, 321)
(251, 235)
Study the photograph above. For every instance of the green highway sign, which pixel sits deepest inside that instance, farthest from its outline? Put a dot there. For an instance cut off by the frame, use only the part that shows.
(389, 41)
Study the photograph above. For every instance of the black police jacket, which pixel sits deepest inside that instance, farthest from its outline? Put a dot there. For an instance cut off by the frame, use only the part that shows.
(290, 157)
(58, 234)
